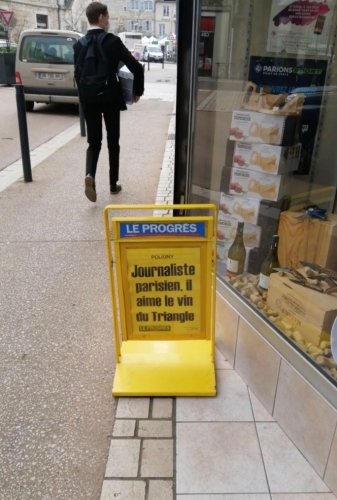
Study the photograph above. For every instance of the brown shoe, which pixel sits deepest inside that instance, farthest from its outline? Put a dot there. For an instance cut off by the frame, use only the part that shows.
(90, 188)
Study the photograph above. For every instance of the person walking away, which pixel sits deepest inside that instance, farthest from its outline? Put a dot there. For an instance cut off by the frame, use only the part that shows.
(97, 57)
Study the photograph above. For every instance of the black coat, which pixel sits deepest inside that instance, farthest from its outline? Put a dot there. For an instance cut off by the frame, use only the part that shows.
(116, 52)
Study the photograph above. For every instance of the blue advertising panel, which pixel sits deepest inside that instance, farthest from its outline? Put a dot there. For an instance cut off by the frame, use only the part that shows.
(134, 229)
(289, 76)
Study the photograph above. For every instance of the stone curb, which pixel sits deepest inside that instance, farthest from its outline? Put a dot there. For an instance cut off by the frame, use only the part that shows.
(166, 180)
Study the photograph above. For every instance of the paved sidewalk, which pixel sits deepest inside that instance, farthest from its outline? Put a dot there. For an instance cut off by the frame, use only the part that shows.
(222, 448)
(62, 435)
(57, 353)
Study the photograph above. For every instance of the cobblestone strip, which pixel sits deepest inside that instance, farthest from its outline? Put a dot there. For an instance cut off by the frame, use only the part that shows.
(141, 461)
(166, 180)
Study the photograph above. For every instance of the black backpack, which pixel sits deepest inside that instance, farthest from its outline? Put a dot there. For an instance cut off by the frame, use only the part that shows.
(92, 71)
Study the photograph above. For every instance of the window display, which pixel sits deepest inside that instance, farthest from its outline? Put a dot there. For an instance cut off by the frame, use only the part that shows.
(265, 151)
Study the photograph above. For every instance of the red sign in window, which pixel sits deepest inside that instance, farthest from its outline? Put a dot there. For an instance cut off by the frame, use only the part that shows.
(207, 24)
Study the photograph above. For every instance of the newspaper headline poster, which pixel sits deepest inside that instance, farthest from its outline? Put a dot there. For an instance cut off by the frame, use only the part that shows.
(164, 286)
(300, 27)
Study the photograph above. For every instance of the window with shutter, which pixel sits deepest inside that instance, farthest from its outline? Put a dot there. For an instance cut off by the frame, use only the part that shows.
(41, 21)
(161, 29)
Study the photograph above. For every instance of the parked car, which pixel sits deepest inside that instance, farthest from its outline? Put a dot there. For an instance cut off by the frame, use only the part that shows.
(153, 53)
(45, 66)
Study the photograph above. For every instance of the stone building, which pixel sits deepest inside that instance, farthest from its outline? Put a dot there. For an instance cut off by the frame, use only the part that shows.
(31, 14)
(149, 17)
(125, 15)
(165, 18)
(75, 18)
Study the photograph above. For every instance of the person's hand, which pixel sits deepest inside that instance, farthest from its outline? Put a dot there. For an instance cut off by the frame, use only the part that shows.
(137, 97)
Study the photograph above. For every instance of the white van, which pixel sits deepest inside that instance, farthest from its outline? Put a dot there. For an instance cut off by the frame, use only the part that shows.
(153, 53)
(45, 66)
(130, 38)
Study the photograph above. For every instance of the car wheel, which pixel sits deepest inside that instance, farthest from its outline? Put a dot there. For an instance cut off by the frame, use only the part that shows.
(29, 105)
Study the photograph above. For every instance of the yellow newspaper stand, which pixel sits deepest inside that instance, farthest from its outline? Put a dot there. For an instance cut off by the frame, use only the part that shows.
(163, 279)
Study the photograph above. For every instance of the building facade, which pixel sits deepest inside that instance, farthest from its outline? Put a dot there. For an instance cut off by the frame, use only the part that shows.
(165, 18)
(150, 17)
(32, 14)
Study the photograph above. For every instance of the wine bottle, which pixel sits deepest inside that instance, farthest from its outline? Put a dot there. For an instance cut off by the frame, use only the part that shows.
(236, 254)
(268, 266)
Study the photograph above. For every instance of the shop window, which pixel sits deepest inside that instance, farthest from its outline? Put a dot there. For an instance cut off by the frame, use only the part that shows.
(41, 21)
(265, 151)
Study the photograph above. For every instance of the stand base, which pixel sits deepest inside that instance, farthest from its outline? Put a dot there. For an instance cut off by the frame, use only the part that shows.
(165, 368)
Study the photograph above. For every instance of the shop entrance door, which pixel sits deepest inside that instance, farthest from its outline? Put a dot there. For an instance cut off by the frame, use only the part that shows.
(206, 46)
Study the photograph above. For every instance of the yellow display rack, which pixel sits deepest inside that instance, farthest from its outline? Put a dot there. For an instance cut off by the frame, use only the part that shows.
(163, 285)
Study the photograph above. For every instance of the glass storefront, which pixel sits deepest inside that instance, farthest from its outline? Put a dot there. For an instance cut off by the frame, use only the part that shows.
(264, 149)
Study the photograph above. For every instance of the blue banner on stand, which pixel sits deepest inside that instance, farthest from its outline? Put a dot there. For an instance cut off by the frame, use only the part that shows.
(306, 76)
(194, 229)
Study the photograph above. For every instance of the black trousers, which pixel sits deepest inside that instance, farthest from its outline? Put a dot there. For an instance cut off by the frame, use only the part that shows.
(93, 117)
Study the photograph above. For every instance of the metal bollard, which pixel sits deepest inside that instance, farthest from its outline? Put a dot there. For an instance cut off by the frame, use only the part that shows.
(23, 131)
(148, 64)
(82, 120)
(163, 62)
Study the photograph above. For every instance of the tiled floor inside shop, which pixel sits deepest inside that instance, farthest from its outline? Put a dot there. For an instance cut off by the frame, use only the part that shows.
(222, 448)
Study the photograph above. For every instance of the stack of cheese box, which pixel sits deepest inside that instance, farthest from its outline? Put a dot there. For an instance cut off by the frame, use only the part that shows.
(262, 152)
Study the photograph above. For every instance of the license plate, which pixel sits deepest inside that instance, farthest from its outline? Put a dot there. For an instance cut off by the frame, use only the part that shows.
(50, 76)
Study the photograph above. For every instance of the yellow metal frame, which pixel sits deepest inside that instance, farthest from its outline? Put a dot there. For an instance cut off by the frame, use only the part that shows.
(161, 366)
